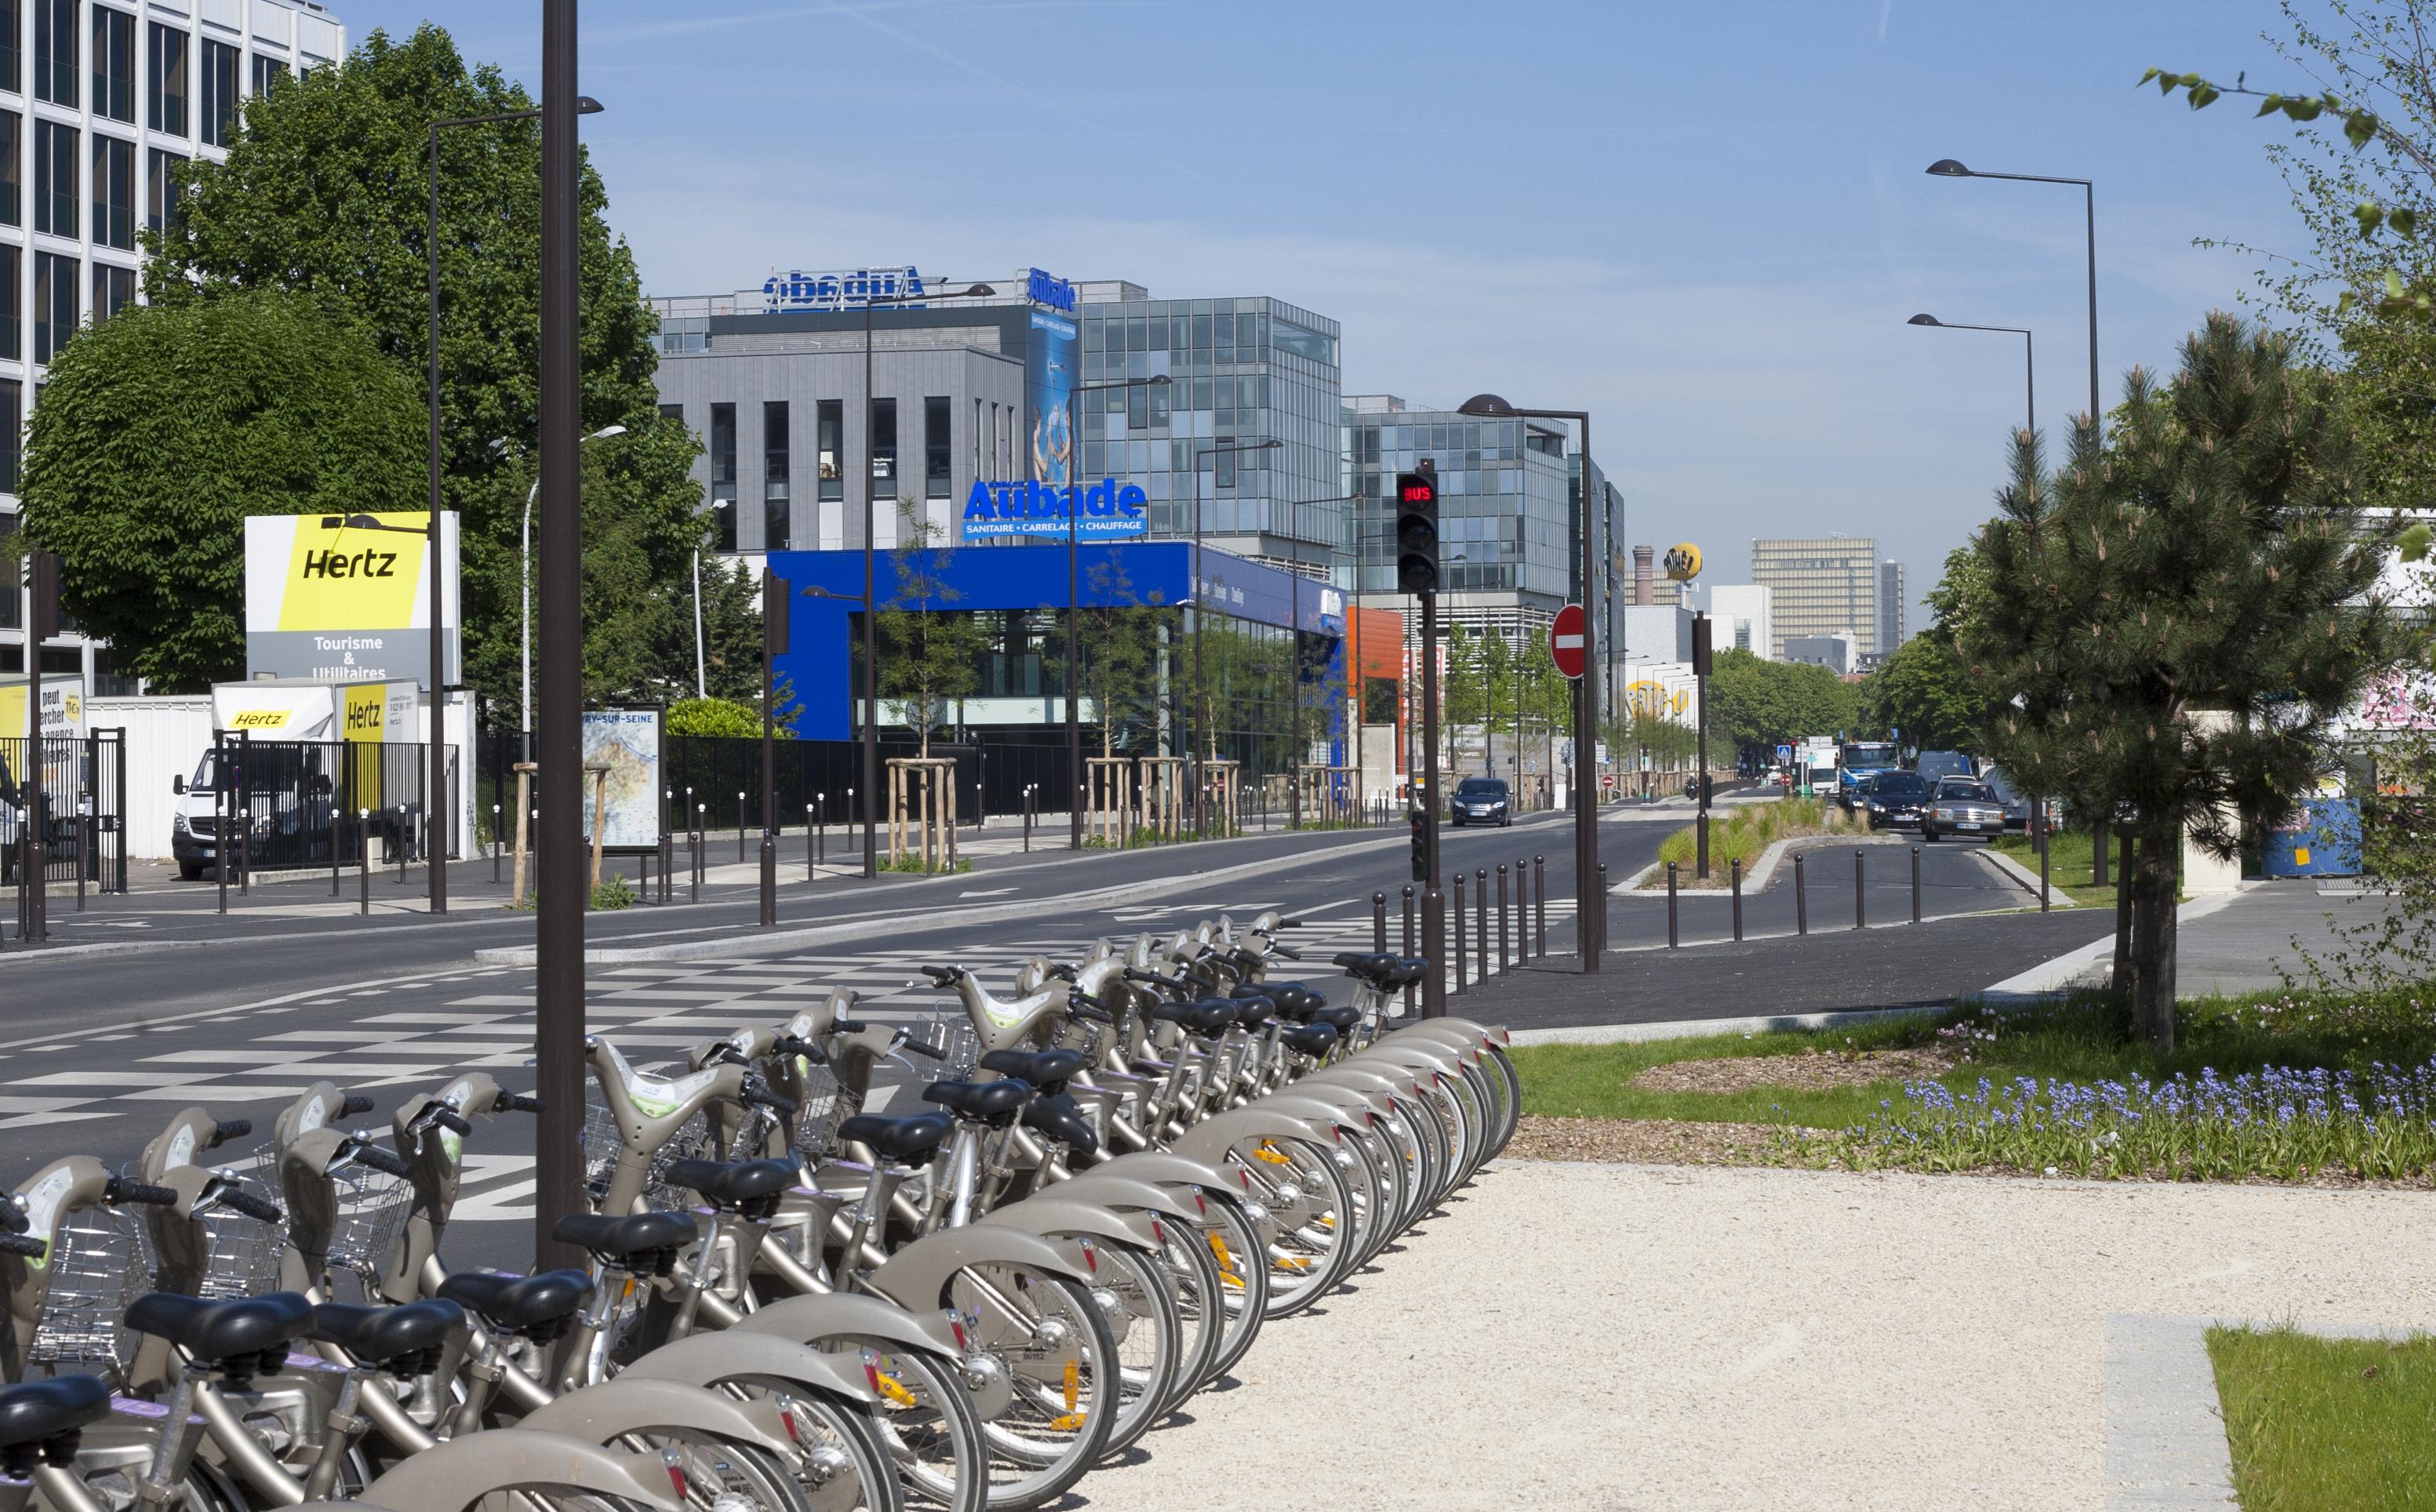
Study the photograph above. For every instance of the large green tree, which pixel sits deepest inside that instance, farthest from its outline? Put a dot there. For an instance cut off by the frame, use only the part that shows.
(1923, 692)
(2181, 611)
(1754, 702)
(162, 428)
(323, 194)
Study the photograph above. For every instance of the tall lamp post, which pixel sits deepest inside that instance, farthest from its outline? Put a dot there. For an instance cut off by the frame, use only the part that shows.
(871, 576)
(531, 493)
(435, 836)
(1949, 168)
(1074, 611)
(1588, 902)
(2029, 359)
(1194, 729)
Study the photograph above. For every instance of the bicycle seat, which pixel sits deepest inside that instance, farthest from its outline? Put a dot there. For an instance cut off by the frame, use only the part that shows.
(1047, 1069)
(229, 1334)
(992, 1103)
(37, 1410)
(614, 1238)
(1059, 1119)
(1255, 1011)
(734, 1184)
(902, 1140)
(1294, 1000)
(539, 1306)
(1311, 1039)
(398, 1338)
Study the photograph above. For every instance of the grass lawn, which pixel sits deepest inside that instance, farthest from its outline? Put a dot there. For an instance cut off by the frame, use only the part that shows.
(1743, 832)
(2068, 864)
(2326, 1423)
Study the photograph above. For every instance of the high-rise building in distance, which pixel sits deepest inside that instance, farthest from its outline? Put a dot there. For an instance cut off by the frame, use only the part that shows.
(1823, 587)
(1894, 609)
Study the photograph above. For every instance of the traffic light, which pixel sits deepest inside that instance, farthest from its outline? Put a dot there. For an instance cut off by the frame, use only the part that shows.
(777, 595)
(1420, 843)
(1416, 533)
(42, 576)
(1700, 654)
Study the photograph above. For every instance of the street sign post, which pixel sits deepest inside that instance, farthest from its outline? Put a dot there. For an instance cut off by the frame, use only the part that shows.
(1565, 640)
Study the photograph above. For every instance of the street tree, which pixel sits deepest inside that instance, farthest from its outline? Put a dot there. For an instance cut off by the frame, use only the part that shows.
(1925, 691)
(323, 194)
(2182, 611)
(1754, 702)
(929, 653)
(731, 632)
(164, 428)
(1116, 636)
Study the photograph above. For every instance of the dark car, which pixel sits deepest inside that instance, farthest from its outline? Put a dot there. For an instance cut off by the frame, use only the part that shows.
(1963, 806)
(1894, 800)
(1482, 800)
(1936, 765)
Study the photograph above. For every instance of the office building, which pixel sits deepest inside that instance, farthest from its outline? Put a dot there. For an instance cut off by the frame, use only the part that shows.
(1837, 652)
(1658, 633)
(100, 105)
(1894, 609)
(1743, 618)
(1824, 586)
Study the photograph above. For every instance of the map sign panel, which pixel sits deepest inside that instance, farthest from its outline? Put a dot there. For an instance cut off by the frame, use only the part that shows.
(627, 741)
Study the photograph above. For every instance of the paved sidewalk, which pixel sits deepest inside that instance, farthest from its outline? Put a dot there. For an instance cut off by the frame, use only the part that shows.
(1587, 1336)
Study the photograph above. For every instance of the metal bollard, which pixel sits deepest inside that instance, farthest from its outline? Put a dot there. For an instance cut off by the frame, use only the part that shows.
(693, 861)
(1915, 884)
(1600, 918)
(1505, 923)
(821, 825)
(1408, 944)
(1860, 895)
(1801, 899)
(364, 861)
(1735, 869)
(1379, 922)
(811, 859)
(401, 845)
(1674, 933)
(1539, 893)
(1458, 933)
(1434, 982)
(496, 846)
(1523, 907)
(1027, 821)
(1480, 918)
(741, 857)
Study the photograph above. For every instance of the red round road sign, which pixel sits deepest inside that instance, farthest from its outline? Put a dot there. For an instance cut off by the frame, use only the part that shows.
(1565, 640)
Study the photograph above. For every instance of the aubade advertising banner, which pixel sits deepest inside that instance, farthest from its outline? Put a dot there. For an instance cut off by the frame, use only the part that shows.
(347, 598)
(1048, 389)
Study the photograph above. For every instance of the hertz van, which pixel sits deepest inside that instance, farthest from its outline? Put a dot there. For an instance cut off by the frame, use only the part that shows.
(284, 740)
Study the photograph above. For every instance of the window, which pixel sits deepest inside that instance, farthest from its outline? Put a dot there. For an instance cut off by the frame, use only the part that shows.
(114, 65)
(13, 177)
(13, 439)
(167, 100)
(12, 45)
(675, 412)
(55, 178)
(219, 93)
(113, 289)
(55, 303)
(13, 304)
(266, 72)
(775, 514)
(723, 472)
(938, 462)
(831, 418)
(165, 177)
(113, 193)
(882, 442)
(54, 51)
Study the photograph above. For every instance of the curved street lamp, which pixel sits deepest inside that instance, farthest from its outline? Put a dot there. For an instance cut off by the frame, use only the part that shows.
(2030, 365)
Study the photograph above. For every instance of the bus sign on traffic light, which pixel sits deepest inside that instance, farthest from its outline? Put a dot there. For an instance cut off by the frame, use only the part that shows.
(1417, 532)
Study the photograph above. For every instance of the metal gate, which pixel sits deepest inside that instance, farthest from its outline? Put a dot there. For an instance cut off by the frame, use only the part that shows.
(77, 830)
(309, 803)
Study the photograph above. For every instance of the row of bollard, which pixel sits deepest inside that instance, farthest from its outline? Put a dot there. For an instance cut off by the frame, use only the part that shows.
(1800, 896)
(1521, 910)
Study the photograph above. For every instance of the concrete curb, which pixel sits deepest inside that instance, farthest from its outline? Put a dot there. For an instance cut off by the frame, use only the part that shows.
(2067, 971)
(1757, 877)
(1701, 1027)
(870, 926)
(2013, 870)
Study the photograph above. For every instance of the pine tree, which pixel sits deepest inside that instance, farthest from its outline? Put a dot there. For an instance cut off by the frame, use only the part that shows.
(2180, 612)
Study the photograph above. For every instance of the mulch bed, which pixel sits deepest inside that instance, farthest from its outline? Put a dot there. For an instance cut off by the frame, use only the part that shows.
(1810, 1070)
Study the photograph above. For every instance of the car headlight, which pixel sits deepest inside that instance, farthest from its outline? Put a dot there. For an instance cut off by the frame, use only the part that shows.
(179, 826)
(1876, 808)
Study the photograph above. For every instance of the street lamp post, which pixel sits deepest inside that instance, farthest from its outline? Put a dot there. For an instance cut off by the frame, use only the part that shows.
(525, 583)
(1195, 730)
(435, 836)
(870, 572)
(1949, 168)
(2029, 359)
(1590, 903)
(1074, 611)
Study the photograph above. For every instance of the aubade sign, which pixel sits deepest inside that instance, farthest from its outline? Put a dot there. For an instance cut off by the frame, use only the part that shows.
(1108, 512)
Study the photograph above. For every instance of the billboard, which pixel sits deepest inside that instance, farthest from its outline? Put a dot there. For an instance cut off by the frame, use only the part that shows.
(627, 741)
(62, 706)
(347, 598)
(1049, 393)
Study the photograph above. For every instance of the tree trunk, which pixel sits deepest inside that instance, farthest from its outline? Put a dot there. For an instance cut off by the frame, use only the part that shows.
(2154, 883)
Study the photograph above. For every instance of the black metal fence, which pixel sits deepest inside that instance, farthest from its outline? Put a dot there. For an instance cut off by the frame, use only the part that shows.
(81, 827)
(311, 803)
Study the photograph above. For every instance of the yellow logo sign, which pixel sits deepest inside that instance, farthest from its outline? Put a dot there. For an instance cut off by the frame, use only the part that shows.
(260, 720)
(1682, 561)
(349, 577)
(367, 708)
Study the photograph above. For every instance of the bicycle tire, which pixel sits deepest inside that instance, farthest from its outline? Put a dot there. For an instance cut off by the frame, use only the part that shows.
(943, 1463)
(1138, 1281)
(1034, 1456)
(1244, 1283)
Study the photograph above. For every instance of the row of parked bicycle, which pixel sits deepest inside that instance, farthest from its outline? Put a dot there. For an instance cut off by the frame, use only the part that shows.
(790, 1302)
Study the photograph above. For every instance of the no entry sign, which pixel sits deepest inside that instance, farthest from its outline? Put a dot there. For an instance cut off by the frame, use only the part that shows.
(1565, 640)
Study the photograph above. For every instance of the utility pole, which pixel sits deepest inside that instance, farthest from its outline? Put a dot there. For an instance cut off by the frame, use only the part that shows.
(1416, 573)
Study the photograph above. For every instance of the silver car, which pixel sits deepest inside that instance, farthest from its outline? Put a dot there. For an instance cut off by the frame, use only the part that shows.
(1962, 806)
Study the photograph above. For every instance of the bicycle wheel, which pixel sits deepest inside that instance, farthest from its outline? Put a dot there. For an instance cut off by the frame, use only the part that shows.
(927, 1424)
(1296, 1189)
(1133, 1288)
(1242, 1280)
(1046, 1341)
(1192, 1267)
(840, 1461)
(722, 1476)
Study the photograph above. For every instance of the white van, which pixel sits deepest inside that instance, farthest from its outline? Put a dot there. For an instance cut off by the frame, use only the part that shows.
(290, 729)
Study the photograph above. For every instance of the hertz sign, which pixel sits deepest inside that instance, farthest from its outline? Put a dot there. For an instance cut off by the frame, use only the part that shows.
(347, 598)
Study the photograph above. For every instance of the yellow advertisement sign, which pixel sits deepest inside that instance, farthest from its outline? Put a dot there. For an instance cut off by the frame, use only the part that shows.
(344, 573)
(347, 598)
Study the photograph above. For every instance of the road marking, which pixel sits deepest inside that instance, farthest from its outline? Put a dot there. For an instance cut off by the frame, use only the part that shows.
(987, 892)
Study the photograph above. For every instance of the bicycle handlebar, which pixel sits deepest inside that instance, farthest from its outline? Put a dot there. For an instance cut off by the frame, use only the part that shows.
(227, 1129)
(26, 1244)
(1286, 950)
(120, 1191)
(791, 1045)
(941, 975)
(386, 1161)
(923, 1048)
(777, 1103)
(518, 1103)
(12, 1218)
(1086, 1008)
(842, 1025)
(449, 1119)
(356, 1102)
(259, 1208)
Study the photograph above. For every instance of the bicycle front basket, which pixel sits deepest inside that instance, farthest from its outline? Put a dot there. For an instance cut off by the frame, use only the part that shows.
(100, 1262)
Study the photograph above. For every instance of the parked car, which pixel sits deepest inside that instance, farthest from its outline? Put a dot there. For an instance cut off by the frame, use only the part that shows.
(1894, 800)
(1935, 765)
(1962, 806)
(1482, 800)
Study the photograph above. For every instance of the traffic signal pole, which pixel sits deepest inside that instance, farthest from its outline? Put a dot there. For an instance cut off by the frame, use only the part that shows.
(1416, 573)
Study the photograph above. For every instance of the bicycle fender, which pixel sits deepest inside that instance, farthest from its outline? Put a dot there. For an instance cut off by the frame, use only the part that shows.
(1169, 1169)
(1349, 1105)
(706, 1359)
(630, 1404)
(1382, 1078)
(1446, 1059)
(1049, 1214)
(832, 1315)
(1462, 1032)
(916, 1277)
(1211, 1139)
(456, 1474)
(1115, 1189)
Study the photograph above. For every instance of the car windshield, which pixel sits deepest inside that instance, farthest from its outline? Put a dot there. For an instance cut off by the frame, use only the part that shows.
(1866, 753)
(1898, 785)
(1953, 789)
(1481, 788)
(1943, 763)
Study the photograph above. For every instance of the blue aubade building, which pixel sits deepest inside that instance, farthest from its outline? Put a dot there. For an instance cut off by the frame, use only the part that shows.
(1019, 593)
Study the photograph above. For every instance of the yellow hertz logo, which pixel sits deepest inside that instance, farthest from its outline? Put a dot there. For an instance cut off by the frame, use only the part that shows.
(367, 708)
(351, 577)
(260, 720)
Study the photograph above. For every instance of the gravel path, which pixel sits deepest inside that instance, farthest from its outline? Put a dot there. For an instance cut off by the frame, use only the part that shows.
(1611, 1336)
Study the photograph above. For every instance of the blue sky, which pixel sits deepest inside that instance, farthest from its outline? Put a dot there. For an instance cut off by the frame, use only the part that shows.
(1707, 224)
